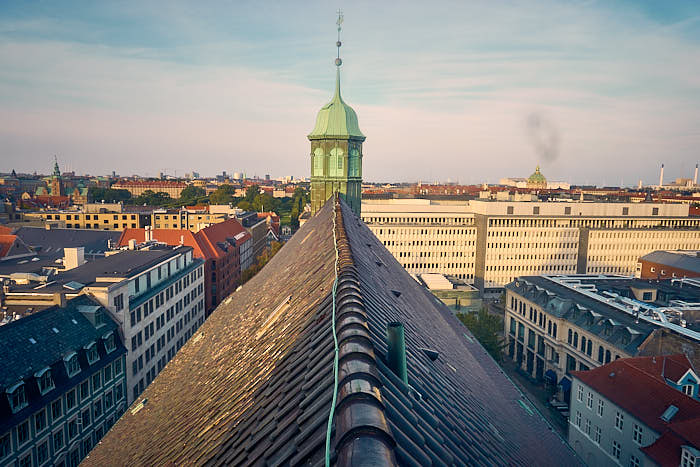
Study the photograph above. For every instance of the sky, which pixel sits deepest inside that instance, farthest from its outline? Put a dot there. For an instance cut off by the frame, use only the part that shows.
(595, 92)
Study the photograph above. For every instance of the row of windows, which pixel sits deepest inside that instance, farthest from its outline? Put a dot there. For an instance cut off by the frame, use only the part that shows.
(425, 220)
(51, 415)
(88, 217)
(17, 394)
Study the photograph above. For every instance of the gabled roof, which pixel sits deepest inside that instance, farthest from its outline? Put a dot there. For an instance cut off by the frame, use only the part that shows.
(222, 232)
(671, 367)
(170, 237)
(255, 383)
(640, 393)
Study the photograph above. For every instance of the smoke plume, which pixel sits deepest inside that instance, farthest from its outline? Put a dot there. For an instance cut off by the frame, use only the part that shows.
(543, 135)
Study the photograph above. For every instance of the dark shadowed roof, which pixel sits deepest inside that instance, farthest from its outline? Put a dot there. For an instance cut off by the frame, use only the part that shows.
(254, 385)
(49, 245)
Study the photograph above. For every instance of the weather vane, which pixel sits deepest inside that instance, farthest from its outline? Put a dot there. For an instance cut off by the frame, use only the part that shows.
(338, 61)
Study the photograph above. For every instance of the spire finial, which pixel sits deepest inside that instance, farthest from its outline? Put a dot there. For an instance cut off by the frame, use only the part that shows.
(339, 22)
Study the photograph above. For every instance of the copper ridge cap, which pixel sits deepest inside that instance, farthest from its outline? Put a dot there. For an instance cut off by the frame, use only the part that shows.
(361, 427)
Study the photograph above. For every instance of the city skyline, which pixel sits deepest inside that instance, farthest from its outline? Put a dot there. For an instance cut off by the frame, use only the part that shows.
(604, 94)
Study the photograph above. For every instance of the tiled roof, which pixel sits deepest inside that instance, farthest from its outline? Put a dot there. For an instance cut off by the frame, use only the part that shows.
(171, 237)
(6, 242)
(255, 383)
(673, 259)
(21, 358)
(640, 393)
(672, 367)
(221, 232)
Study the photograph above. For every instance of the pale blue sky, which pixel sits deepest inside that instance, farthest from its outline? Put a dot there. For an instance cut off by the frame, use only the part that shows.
(442, 89)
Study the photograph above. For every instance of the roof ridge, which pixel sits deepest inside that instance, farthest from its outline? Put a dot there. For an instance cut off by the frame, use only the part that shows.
(361, 423)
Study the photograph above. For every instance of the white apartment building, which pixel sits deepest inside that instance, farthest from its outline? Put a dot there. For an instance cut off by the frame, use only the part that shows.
(158, 297)
(489, 243)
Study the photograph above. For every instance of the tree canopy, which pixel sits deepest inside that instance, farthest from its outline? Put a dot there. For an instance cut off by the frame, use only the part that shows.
(487, 329)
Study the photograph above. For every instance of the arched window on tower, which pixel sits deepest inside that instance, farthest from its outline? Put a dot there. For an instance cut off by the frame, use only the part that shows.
(317, 169)
(354, 163)
(335, 164)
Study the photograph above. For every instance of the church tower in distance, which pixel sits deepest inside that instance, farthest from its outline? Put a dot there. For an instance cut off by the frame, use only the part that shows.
(336, 149)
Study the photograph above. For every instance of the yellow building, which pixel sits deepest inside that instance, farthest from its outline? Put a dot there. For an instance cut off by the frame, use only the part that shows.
(193, 220)
(95, 221)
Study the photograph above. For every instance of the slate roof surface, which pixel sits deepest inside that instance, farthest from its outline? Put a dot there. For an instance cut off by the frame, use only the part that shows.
(675, 260)
(20, 358)
(254, 385)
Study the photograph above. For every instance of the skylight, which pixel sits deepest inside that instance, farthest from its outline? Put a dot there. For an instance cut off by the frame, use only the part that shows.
(73, 285)
(669, 413)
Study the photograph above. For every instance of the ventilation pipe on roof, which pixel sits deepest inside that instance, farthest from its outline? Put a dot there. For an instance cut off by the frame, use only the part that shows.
(396, 350)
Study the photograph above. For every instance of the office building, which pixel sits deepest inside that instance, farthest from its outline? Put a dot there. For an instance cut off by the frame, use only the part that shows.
(489, 243)
(628, 412)
(62, 379)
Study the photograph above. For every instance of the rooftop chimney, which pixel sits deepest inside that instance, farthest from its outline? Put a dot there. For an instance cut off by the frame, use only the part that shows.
(59, 298)
(132, 244)
(396, 350)
(73, 257)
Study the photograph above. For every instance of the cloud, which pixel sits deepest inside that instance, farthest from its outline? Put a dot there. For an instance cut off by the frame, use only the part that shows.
(440, 92)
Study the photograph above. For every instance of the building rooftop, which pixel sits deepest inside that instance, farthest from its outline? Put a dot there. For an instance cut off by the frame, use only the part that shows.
(681, 259)
(254, 385)
(606, 305)
(631, 385)
(48, 244)
(125, 263)
(43, 340)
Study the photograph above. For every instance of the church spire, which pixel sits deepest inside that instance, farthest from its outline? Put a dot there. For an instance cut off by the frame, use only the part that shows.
(56, 171)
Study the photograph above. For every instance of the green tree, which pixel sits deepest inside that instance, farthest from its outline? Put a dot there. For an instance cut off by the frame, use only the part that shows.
(153, 199)
(191, 194)
(223, 195)
(487, 329)
(108, 195)
(245, 205)
(251, 192)
(266, 202)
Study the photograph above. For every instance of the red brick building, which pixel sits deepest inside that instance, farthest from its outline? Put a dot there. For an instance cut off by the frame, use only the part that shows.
(221, 246)
(669, 264)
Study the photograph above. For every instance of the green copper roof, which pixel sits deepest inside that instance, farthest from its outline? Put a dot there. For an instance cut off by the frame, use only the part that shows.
(537, 177)
(336, 118)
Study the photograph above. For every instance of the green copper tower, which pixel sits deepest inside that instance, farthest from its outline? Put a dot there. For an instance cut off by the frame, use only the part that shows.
(336, 149)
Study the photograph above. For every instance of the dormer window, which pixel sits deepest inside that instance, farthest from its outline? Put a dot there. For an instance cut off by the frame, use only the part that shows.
(91, 353)
(110, 342)
(689, 457)
(72, 364)
(17, 397)
(44, 380)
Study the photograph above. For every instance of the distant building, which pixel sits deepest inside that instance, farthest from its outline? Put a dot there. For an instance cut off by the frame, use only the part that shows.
(193, 218)
(489, 243)
(226, 248)
(555, 325)
(62, 379)
(136, 188)
(536, 181)
(669, 264)
(630, 412)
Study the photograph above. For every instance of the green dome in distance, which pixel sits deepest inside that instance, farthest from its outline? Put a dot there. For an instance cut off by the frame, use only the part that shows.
(537, 177)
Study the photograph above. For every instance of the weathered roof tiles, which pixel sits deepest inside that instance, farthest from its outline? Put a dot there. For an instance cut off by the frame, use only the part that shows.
(255, 384)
